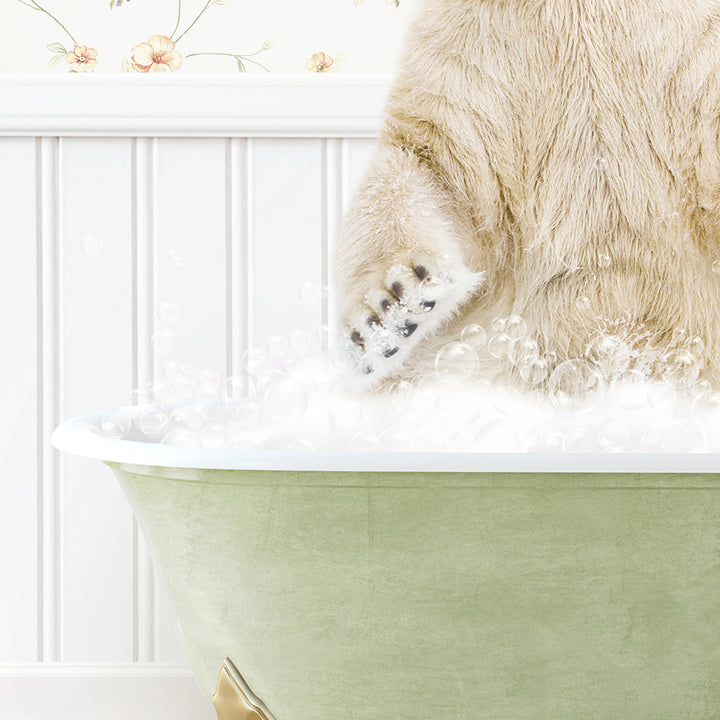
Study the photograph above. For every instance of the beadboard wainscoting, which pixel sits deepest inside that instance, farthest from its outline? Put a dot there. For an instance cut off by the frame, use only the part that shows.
(219, 196)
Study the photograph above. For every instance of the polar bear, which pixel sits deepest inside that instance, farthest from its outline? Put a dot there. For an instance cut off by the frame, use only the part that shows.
(551, 160)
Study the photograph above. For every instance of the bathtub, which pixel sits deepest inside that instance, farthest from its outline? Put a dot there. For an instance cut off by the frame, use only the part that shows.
(358, 586)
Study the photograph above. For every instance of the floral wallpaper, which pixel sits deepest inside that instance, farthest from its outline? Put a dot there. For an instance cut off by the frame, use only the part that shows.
(171, 36)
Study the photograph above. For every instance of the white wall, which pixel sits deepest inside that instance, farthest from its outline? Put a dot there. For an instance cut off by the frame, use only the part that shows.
(91, 233)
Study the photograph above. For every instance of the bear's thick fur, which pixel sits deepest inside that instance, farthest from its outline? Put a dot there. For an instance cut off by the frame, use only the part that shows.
(553, 159)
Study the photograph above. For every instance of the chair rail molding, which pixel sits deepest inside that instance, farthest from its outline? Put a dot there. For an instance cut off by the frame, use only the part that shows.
(199, 105)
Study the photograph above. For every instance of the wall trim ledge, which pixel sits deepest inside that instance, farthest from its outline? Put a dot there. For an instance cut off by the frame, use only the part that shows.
(197, 105)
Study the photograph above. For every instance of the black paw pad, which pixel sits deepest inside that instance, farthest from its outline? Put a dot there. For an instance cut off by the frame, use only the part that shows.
(390, 352)
(367, 370)
(408, 329)
(374, 321)
(385, 305)
(428, 305)
(356, 337)
(421, 271)
(397, 289)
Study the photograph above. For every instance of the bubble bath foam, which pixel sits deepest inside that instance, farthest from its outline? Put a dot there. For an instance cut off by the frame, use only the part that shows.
(470, 595)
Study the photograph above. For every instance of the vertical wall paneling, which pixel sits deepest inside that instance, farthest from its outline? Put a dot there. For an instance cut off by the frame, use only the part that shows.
(144, 234)
(358, 153)
(238, 258)
(287, 235)
(19, 421)
(333, 202)
(192, 248)
(96, 248)
(50, 390)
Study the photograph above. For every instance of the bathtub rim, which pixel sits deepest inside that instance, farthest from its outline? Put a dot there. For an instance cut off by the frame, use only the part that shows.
(80, 436)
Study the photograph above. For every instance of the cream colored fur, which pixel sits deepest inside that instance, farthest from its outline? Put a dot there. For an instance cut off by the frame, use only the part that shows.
(535, 153)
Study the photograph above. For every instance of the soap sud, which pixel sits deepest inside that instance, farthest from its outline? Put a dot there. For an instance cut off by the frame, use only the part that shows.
(292, 397)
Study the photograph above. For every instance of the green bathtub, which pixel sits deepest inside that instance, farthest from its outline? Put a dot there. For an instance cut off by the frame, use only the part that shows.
(404, 586)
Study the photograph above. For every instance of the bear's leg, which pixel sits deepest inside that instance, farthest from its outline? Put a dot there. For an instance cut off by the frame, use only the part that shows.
(400, 268)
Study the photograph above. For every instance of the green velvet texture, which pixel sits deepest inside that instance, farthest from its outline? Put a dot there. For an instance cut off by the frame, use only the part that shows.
(359, 596)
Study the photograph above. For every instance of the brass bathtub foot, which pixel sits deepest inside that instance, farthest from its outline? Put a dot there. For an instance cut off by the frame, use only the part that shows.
(234, 700)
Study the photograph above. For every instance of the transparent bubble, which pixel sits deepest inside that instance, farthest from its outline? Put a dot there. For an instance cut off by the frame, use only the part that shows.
(92, 245)
(285, 400)
(185, 388)
(163, 340)
(583, 303)
(213, 435)
(604, 260)
(173, 371)
(167, 313)
(515, 327)
(248, 413)
(403, 416)
(474, 335)
(613, 435)
(269, 378)
(681, 368)
(164, 392)
(707, 402)
(426, 399)
(576, 385)
(579, 440)
(535, 372)
(498, 345)
(679, 337)
(153, 421)
(296, 445)
(255, 361)
(395, 439)
(180, 437)
(277, 346)
(715, 267)
(609, 353)
(117, 423)
(365, 441)
(400, 387)
(208, 391)
(178, 259)
(194, 416)
(456, 363)
(300, 341)
(498, 325)
(239, 386)
(141, 396)
(696, 346)
(349, 413)
(310, 293)
(523, 351)
(653, 437)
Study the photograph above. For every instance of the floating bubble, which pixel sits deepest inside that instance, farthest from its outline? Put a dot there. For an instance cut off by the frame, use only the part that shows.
(579, 440)
(576, 385)
(194, 416)
(277, 346)
(610, 354)
(715, 267)
(181, 437)
(661, 394)
(239, 386)
(523, 351)
(316, 426)
(163, 340)
(178, 259)
(696, 346)
(583, 303)
(604, 260)
(164, 392)
(498, 325)
(153, 421)
(248, 413)
(426, 399)
(92, 245)
(117, 423)
(213, 435)
(681, 368)
(310, 293)
(535, 372)
(613, 435)
(167, 313)
(255, 361)
(173, 371)
(474, 335)
(632, 393)
(515, 327)
(185, 388)
(365, 441)
(685, 436)
(498, 345)
(396, 439)
(456, 363)
(285, 400)
(247, 441)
